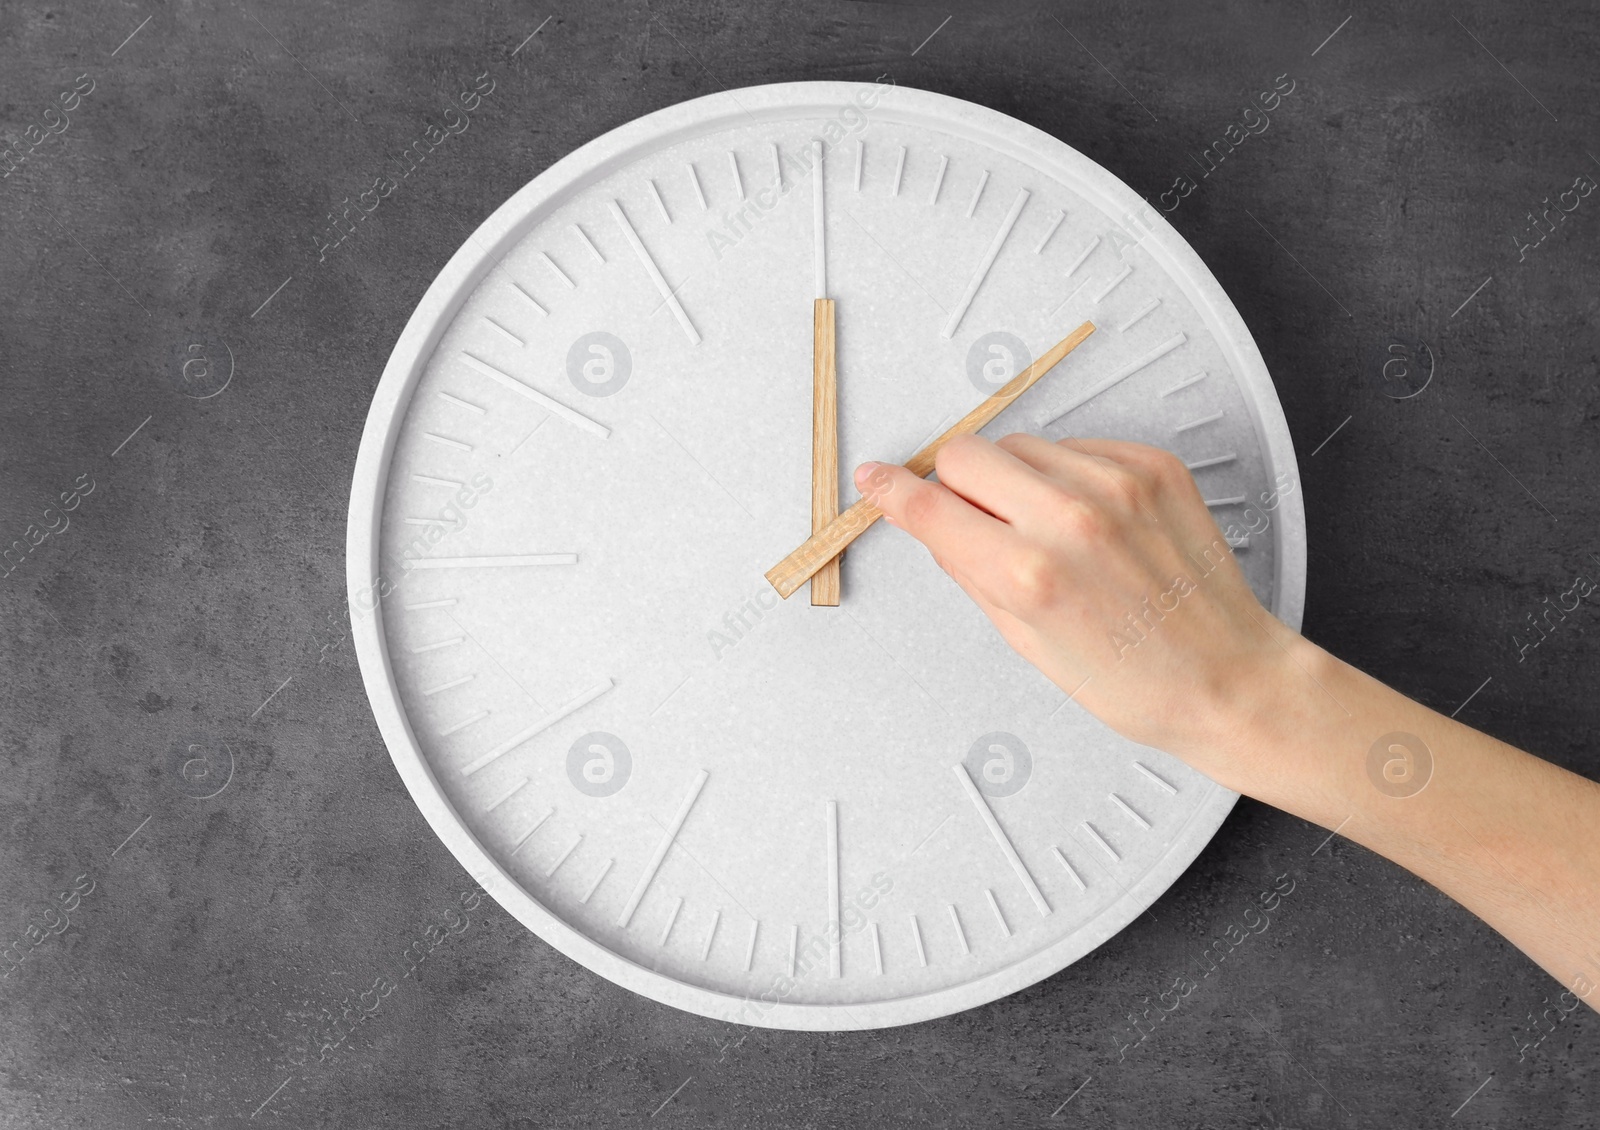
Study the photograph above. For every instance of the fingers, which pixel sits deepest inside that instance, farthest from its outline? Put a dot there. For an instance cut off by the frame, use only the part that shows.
(962, 538)
(995, 479)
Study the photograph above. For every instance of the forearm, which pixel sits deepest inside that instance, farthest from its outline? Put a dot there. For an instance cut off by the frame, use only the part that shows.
(1513, 838)
(1100, 562)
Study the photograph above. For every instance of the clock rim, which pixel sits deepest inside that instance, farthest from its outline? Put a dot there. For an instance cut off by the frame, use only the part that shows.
(503, 229)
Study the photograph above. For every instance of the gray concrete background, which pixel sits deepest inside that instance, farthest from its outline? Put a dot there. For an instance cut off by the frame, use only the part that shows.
(1388, 201)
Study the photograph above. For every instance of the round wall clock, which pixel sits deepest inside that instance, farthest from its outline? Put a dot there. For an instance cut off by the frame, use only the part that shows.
(594, 437)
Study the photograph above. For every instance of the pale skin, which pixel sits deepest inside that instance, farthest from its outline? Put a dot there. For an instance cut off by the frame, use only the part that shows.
(1060, 543)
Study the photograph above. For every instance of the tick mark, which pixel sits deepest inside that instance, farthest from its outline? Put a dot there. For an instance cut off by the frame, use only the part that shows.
(572, 847)
(961, 935)
(507, 795)
(1082, 255)
(1138, 315)
(559, 273)
(528, 835)
(589, 243)
(531, 299)
(672, 919)
(938, 179)
(464, 723)
(445, 441)
(1050, 231)
(1203, 420)
(1072, 871)
(594, 886)
(977, 194)
(661, 205)
(459, 403)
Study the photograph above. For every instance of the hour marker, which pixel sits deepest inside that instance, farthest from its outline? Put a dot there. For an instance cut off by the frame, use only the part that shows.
(1002, 841)
(987, 261)
(654, 271)
(819, 252)
(1050, 231)
(1236, 500)
(916, 936)
(559, 273)
(699, 193)
(1191, 379)
(589, 243)
(430, 481)
(877, 949)
(422, 521)
(1138, 315)
(1116, 281)
(662, 846)
(672, 918)
(794, 947)
(544, 723)
(507, 334)
(738, 181)
(933, 197)
(445, 441)
(777, 166)
(861, 159)
(1128, 811)
(1192, 424)
(1005, 930)
(961, 935)
(1084, 254)
(1123, 373)
(431, 691)
(449, 602)
(977, 194)
(899, 173)
(534, 827)
(1099, 840)
(1241, 542)
(750, 947)
(595, 886)
(1061, 859)
(494, 562)
(459, 403)
(572, 847)
(464, 723)
(1156, 779)
(835, 939)
(534, 301)
(661, 205)
(426, 647)
(1213, 461)
(507, 795)
(711, 935)
(549, 404)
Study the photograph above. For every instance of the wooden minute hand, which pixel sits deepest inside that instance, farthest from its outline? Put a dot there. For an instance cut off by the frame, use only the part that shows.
(827, 543)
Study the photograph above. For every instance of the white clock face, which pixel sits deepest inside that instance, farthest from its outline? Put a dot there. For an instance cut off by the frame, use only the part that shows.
(594, 437)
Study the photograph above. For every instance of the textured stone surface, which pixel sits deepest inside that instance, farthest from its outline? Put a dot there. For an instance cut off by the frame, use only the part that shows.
(230, 933)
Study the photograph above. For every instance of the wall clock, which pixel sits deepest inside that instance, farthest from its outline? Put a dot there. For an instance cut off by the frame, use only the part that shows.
(594, 436)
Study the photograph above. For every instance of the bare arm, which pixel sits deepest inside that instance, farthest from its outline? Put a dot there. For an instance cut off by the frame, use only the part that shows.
(1099, 563)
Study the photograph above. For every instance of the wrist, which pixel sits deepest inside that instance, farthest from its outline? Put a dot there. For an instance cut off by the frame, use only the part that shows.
(1256, 728)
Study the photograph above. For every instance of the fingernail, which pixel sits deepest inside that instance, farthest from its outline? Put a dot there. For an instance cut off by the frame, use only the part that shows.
(863, 473)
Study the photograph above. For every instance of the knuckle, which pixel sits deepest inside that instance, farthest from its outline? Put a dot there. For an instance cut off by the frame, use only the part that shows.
(955, 455)
(1033, 580)
(1079, 519)
(919, 507)
(1165, 467)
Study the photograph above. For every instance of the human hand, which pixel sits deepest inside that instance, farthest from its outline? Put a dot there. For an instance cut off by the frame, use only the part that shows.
(1100, 564)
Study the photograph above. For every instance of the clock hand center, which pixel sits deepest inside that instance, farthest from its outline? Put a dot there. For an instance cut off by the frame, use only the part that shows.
(827, 543)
